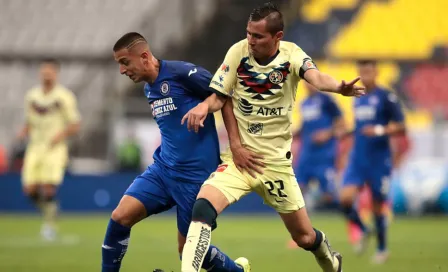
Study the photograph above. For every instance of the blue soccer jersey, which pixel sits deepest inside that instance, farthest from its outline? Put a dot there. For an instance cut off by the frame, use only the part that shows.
(179, 87)
(316, 160)
(371, 159)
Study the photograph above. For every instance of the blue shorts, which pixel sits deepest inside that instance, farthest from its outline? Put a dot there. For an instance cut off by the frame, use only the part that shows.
(376, 176)
(324, 174)
(159, 192)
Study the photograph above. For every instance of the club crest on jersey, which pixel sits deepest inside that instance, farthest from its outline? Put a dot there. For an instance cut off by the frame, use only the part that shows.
(276, 77)
(225, 68)
(165, 88)
(262, 85)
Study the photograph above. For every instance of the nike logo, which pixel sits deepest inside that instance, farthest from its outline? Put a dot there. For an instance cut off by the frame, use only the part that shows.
(192, 71)
(107, 247)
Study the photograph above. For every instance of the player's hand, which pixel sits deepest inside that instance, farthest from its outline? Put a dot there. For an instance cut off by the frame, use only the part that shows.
(350, 89)
(246, 160)
(196, 117)
(322, 136)
(373, 130)
(57, 139)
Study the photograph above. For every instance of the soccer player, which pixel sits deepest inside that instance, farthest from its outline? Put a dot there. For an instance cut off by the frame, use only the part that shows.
(51, 117)
(378, 115)
(260, 74)
(181, 163)
(322, 125)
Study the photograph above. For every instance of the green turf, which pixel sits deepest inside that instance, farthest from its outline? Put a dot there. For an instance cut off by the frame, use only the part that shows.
(418, 244)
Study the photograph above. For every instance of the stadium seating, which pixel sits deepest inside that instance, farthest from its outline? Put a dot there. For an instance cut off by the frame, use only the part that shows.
(397, 29)
(427, 86)
(318, 11)
(68, 27)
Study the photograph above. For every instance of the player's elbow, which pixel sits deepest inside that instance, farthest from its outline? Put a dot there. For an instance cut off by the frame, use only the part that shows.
(75, 128)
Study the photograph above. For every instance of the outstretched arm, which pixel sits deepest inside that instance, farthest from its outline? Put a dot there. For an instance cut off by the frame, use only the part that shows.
(327, 83)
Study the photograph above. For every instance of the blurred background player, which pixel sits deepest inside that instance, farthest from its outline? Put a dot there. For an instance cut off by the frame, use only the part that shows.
(51, 118)
(321, 126)
(263, 72)
(378, 116)
(181, 164)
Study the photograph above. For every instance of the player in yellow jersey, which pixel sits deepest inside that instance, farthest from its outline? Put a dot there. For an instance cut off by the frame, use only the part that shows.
(260, 74)
(51, 117)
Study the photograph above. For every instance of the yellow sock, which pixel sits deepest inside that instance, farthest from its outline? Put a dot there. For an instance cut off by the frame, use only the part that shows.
(198, 241)
(50, 211)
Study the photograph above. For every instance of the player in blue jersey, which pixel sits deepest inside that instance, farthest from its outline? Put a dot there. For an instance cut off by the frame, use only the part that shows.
(322, 125)
(378, 115)
(180, 163)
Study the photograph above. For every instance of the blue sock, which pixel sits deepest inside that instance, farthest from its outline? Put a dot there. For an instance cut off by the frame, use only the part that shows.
(217, 261)
(380, 223)
(115, 246)
(353, 216)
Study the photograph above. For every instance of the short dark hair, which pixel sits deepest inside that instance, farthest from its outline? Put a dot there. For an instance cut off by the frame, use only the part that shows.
(272, 14)
(127, 40)
(366, 62)
(53, 62)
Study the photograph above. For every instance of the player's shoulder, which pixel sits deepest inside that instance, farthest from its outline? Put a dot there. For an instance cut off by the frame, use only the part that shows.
(65, 94)
(240, 48)
(178, 67)
(289, 48)
(387, 94)
(32, 92)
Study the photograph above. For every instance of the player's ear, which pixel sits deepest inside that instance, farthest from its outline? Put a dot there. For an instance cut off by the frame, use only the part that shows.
(144, 57)
(279, 35)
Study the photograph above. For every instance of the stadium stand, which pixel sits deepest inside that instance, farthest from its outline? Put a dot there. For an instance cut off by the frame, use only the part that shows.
(427, 86)
(318, 11)
(372, 33)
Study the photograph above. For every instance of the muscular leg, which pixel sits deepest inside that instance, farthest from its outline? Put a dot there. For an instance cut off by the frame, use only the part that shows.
(49, 204)
(209, 204)
(32, 192)
(128, 212)
(313, 240)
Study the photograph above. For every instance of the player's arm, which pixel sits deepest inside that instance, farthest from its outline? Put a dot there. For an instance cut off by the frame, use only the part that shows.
(72, 117)
(396, 123)
(25, 130)
(306, 69)
(221, 85)
(327, 83)
(244, 159)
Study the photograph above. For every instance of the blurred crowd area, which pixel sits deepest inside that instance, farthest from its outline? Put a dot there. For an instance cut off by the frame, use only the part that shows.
(408, 38)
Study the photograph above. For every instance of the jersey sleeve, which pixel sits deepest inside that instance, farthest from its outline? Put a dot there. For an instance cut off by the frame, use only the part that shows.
(333, 108)
(301, 62)
(394, 110)
(225, 77)
(195, 78)
(71, 112)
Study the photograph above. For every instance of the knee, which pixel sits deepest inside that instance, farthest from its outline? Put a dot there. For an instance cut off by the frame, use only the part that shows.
(203, 211)
(32, 193)
(305, 240)
(346, 199)
(122, 217)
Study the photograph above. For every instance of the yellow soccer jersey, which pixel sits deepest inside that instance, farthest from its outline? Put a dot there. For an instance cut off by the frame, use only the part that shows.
(47, 114)
(263, 97)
